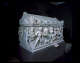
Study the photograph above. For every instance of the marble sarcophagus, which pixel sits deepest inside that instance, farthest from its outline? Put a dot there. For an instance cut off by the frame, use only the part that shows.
(38, 32)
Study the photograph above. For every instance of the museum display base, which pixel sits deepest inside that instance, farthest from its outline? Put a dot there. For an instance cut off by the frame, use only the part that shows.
(48, 54)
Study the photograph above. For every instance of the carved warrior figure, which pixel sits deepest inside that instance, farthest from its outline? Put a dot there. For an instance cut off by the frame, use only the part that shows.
(38, 32)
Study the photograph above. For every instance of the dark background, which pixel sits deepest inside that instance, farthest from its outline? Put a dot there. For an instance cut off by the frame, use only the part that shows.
(15, 8)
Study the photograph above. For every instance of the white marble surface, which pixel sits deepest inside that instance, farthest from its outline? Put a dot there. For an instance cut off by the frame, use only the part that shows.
(38, 32)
